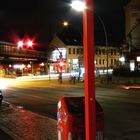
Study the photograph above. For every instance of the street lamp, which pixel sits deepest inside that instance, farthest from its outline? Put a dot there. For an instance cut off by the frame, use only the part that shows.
(79, 34)
(106, 43)
(65, 23)
(89, 82)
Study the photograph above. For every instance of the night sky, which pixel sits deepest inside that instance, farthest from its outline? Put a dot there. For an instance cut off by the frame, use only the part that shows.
(40, 19)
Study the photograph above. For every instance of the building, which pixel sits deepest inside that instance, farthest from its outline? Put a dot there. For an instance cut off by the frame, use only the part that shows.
(73, 56)
(16, 61)
(132, 26)
(104, 54)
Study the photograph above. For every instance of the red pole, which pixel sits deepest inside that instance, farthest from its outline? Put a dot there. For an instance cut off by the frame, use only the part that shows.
(88, 39)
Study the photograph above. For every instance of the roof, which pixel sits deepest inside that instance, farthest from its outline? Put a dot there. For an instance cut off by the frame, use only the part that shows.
(71, 36)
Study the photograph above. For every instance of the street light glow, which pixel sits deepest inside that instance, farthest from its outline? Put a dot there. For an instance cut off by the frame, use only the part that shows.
(65, 23)
(20, 44)
(30, 43)
(122, 59)
(78, 5)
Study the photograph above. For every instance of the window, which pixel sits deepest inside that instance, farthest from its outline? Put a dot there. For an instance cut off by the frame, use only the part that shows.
(115, 61)
(81, 51)
(111, 61)
(73, 50)
(111, 52)
(103, 51)
(114, 52)
(103, 61)
(78, 51)
(96, 51)
(100, 61)
(99, 52)
(69, 50)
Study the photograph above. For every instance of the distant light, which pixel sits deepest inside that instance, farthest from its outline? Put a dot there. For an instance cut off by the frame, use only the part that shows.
(4, 83)
(29, 66)
(22, 66)
(78, 5)
(20, 44)
(29, 43)
(19, 66)
(138, 58)
(61, 64)
(42, 64)
(65, 23)
(122, 59)
(132, 65)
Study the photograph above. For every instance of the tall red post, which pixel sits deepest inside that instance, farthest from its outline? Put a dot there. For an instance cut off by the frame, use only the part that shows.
(88, 39)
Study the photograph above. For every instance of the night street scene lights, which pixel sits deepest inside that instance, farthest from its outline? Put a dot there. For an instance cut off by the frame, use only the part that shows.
(89, 82)
(20, 44)
(78, 5)
(60, 64)
(28, 44)
(65, 23)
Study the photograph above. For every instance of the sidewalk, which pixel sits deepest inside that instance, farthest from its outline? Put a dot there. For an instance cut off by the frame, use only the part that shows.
(19, 124)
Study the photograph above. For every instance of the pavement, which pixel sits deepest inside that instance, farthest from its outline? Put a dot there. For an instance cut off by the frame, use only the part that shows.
(16, 123)
(19, 124)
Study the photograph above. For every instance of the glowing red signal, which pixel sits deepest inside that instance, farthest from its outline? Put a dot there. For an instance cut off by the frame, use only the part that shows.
(60, 63)
(20, 44)
(29, 43)
(25, 44)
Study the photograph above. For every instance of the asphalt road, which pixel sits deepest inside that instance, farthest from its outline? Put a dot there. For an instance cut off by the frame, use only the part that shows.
(121, 107)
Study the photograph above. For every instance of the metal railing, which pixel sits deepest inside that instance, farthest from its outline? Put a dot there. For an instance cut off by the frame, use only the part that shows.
(10, 50)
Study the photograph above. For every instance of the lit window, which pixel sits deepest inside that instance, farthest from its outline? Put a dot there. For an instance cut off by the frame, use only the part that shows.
(75, 61)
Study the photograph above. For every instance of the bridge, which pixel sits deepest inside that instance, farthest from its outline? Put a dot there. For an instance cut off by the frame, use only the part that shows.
(9, 52)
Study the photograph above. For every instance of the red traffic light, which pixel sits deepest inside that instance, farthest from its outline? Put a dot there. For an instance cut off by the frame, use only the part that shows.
(60, 62)
(29, 44)
(20, 44)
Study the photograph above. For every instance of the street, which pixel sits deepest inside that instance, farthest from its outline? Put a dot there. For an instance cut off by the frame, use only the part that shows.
(121, 106)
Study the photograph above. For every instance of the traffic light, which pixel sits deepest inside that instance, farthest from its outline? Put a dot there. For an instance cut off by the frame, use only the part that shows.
(60, 64)
(20, 44)
(29, 44)
(25, 43)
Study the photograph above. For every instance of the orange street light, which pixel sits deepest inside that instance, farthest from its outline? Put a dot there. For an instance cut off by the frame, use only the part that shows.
(65, 23)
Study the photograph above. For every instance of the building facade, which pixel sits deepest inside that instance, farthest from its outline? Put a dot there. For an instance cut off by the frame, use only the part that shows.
(132, 26)
(105, 57)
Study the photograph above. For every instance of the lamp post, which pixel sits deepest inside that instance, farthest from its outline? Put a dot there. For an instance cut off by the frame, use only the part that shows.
(106, 43)
(89, 84)
(67, 24)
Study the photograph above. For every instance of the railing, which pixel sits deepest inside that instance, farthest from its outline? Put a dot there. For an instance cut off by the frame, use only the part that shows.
(10, 50)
